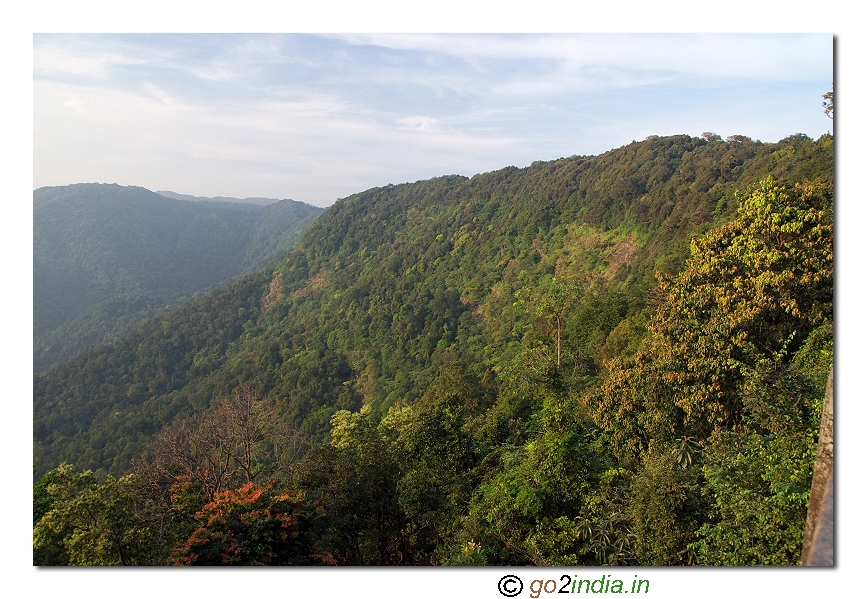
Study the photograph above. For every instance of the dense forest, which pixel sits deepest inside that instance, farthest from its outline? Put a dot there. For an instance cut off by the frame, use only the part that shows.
(107, 258)
(615, 359)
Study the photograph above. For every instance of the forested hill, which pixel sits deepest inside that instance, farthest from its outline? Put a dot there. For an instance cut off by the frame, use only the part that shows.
(491, 370)
(183, 196)
(108, 257)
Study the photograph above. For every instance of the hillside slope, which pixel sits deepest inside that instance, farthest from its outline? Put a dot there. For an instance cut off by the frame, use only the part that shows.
(393, 283)
(108, 257)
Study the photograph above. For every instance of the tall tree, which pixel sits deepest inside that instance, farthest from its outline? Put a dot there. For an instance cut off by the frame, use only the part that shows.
(253, 526)
(84, 523)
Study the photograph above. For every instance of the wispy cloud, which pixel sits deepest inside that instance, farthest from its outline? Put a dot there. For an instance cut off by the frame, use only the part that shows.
(53, 59)
(86, 57)
(736, 55)
(74, 102)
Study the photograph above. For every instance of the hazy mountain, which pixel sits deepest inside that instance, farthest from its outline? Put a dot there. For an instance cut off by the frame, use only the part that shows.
(107, 257)
(191, 198)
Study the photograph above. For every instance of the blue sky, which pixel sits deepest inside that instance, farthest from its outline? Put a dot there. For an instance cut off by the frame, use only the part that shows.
(318, 117)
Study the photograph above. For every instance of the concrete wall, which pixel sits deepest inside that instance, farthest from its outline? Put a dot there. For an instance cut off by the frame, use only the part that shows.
(819, 538)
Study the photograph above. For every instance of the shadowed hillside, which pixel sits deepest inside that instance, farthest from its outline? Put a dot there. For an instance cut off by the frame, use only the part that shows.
(108, 257)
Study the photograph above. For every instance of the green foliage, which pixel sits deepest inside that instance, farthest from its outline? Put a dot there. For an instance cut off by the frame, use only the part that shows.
(438, 454)
(725, 382)
(550, 301)
(486, 370)
(103, 406)
(80, 522)
(526, 511)
(106, 258)
(355, 479)
(382, 290)
(759, 487)
(760, 474)
(664, 508)
(754, 288)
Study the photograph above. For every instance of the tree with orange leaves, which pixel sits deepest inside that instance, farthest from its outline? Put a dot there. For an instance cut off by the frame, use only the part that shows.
(253, 526)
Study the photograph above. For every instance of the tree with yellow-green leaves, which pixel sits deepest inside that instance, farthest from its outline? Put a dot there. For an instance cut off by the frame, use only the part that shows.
(80, 522)
(731, 379)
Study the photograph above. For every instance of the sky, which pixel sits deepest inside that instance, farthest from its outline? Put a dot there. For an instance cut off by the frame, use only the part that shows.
(317, 117)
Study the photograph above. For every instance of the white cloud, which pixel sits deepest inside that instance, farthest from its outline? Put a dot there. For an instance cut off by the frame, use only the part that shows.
(75, 103)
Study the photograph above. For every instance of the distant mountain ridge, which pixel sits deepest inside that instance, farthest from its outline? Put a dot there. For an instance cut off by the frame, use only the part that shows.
(190, 198)
(106, 257)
